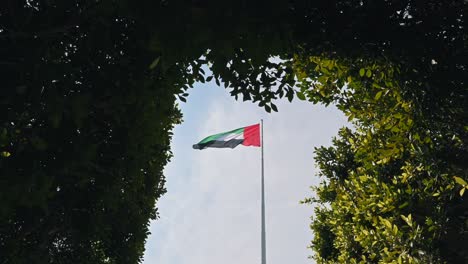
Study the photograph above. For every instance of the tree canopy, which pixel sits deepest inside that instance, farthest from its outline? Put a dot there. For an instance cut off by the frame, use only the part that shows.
(88, 105)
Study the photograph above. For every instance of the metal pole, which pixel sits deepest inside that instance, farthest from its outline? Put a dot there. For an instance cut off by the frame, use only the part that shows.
(263, 206)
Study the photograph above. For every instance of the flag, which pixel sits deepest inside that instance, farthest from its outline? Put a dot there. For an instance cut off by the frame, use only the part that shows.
(247, 136)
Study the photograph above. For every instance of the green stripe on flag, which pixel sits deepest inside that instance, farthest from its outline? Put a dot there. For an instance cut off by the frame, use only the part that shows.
(216, 136)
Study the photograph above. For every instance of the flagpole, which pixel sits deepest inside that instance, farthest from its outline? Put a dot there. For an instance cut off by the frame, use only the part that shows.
(263, 205)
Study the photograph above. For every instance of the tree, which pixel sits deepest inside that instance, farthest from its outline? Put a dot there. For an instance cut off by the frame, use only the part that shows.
(392, 187)
(85, 134)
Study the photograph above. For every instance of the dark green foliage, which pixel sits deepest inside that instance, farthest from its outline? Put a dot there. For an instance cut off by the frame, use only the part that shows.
(85, 132)
(393, 189)
(337, 161)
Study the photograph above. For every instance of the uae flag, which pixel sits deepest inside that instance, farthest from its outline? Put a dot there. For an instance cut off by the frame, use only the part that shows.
(247, 136)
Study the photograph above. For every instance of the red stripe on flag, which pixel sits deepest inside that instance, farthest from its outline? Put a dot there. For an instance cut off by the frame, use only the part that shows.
(252, 135)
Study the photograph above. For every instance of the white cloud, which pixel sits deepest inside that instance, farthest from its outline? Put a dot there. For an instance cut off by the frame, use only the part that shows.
(211, 213)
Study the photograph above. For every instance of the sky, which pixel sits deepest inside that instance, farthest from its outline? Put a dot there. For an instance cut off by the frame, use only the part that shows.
(211, 211)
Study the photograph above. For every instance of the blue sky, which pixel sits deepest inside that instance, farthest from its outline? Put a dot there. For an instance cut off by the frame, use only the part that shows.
(211, 212)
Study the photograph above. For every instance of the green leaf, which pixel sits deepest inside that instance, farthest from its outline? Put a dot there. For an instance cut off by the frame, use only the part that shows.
(5, 154)
(405, 204)
(378, 95)
(301, 96)
(369, 73)
(462, 191)
(183, 99)
(290, 95)
(273, 106)
(407, 219)
(460, 181)
(322, 79)
(154, 63)
(325, 63)
(362, 72)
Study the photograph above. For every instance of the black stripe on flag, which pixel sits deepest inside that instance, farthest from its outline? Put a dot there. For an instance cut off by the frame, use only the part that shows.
(219, 144)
